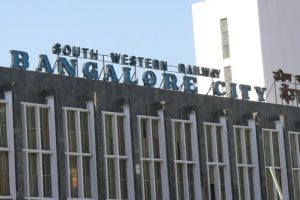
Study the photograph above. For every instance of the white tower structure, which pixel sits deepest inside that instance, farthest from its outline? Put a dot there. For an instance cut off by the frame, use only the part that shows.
(248, 39)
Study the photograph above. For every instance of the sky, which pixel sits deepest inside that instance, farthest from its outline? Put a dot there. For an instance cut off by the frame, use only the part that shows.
(157, 29)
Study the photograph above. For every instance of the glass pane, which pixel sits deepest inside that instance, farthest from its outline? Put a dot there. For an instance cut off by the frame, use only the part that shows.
(296, 176)
(155, 135)
(74, 177)
(293, 147)
(212, 183)
(144, 135)
(86, 177)
(298, 136)
(3, 132)
(84, 125)
(123, 179)
(111, 179)
(109, 134)
(180, 182)
(222, 182)
(209, 143)
(225, 38)
(219, 143)
(267, 150)
(177, 127)
(33, 176)
(278, 176)
(226, 52)
(47, 175)
(224, 26)
(31, 127)
(248, 146)
(241, 183)
(238, 145)
(147, 180)
(276, 149)
(121, 134)
(190, 170)
(44, 123)
(269, 185)
(71, 131)
(251, 183)
(4, 174)
(158, 185)
(188, 141)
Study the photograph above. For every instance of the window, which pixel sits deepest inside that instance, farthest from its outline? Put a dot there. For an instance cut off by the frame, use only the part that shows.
(7, 164)
(225, 38)
(272, 163)
(245, 163)
(80, 153)
(186, 160)
(228, 80)
(40, 151)
(118, 161)
(295, 155)
(152, 149)
(217, 162)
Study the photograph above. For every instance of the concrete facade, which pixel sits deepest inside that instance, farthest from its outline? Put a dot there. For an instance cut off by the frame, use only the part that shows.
(34, 87)
(263, 37)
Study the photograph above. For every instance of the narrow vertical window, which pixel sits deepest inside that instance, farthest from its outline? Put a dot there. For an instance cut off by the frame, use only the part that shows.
(151, 157)
(4, 174)
(228, 80)
(295, 156)
(225, 38)
(117, 155)
(245, 166)
(185, 159)
(216, 163)
(40, 159)
(79, 153)
(7, 163)
(273, 167)
(4, 151)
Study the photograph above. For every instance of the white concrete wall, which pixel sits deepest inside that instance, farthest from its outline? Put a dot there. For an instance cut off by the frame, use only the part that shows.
(264, 35)
(280, 37)
(244, 40)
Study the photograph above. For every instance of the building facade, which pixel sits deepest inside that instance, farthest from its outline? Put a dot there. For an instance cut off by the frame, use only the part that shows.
(72, 138)
(248, 40)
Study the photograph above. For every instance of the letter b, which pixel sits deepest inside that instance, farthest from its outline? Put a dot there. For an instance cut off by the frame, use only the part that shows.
(19, 59)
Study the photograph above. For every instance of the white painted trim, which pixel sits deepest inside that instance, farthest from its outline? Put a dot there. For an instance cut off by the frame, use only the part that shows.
(10, 142)
(163, 154)
(116, 157)
(195, 152)
(52, 129)
(91, 120)
(182, 120)
(35, 104)
(216, 164)
(195, 156)
(147, 117)
(113, 113)
(255, 162)
(279, 127)
(254, 156)
(295, 169)
(65, 108)
(39, 152)
(130, 177)
(162, 159)
(226, 158)
(79, 154)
